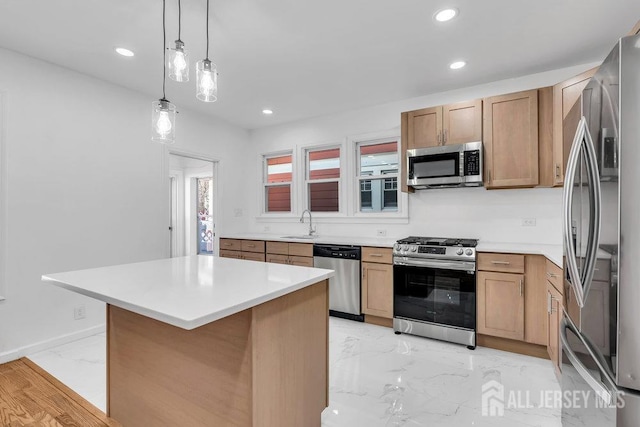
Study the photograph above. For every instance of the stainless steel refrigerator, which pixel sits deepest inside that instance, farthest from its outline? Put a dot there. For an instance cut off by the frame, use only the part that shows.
(600, 330)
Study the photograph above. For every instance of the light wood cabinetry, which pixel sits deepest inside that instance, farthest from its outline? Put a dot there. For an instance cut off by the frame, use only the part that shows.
(446, 124)
(290, 253)
(567, 110)
(635, 30)
(252, 250)
(377, 282)
(511, 140)
(501, 304)
(554, 316)
(511, 297)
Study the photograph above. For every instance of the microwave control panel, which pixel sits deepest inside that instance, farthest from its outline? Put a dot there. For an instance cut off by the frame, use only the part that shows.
(472, 162)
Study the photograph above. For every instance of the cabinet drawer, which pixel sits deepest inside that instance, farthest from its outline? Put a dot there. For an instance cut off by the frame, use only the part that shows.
(379, 255)
(554, 276)
(281, 248)
(507, 263)
(301, 249)
(231, 244)
(252, 246)
(230, 254)
(278, 259)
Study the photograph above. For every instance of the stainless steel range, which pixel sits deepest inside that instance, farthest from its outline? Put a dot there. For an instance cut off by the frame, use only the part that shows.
(434, 281)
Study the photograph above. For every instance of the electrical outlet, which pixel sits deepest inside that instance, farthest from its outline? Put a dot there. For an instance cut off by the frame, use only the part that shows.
(237, 212)
(381, 233)
(267, 228)
(529, 222)
(79, 312)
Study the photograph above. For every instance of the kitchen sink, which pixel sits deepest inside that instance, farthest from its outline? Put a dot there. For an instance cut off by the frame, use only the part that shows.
(303, 236)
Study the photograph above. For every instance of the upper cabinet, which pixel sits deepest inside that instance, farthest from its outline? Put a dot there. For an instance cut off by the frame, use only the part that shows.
(511, 140)
(567, 110)
(447, 124)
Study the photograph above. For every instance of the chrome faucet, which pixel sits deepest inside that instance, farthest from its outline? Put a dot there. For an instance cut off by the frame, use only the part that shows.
(311, 229)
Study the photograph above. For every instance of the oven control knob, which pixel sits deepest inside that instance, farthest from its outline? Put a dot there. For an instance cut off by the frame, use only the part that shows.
(414, 248)
(405, 247)
(459, 251)
(469, 252)
(396, 247)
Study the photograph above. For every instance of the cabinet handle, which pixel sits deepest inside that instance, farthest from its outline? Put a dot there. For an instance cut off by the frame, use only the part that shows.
(553, 310)
(500, 262)
(557, 170)
(521, 286)
(549, 303)
(444, 139)
(251, 246)
(227, 244)
(550, 274)
(439, 138)
(376, 255)
(364, 274)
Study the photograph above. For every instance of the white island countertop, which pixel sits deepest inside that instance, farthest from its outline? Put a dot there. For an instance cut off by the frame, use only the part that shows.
(189, 292)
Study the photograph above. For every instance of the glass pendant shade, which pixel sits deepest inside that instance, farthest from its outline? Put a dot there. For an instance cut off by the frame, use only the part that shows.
(206, 81)
(178, 63)
(163, 122)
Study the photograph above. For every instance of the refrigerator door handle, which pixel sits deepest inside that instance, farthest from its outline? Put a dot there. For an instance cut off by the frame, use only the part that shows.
(600, 388)
(567, 200)
(593, 241)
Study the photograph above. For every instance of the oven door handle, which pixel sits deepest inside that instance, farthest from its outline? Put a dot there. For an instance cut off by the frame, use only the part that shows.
(432, 263)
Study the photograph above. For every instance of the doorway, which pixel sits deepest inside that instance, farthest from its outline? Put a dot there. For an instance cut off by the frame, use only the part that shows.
(192, 189)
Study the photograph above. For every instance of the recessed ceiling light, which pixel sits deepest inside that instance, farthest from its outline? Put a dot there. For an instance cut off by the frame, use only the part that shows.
(457, 65)
(267, 112)
(124, 52)
(445, 15)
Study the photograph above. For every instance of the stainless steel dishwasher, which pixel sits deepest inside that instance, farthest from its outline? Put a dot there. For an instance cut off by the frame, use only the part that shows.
(344, 287)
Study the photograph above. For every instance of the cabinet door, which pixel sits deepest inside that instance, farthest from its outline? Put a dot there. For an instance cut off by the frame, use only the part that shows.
(302, 261)
(278, 259)
(567, 110)
(425, 128)
(230, 254)
(462, 122)
(511, 140)
(554, 314)
(231, 244)
(377, 289)
(501, 305)
(253, 256)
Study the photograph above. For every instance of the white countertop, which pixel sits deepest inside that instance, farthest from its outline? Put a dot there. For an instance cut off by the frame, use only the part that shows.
(189, 292)
(553, 252)
(384, 242)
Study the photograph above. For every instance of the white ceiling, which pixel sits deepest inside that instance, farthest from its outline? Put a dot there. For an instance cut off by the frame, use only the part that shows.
(306, 58)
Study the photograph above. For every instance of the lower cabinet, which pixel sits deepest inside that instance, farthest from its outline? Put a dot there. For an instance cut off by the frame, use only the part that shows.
(300, 254)
(554, 317)
(252, 250)
(377, 289)
(501, 304)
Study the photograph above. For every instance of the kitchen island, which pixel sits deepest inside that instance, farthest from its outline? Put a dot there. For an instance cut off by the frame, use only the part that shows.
(208, 341)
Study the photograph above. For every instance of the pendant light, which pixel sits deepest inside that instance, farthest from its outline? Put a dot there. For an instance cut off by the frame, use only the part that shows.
(206, 74)
(178, 59)
(163, 113)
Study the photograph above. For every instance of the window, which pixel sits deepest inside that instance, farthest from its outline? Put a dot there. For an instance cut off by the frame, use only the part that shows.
(377, 175)
(204, 217)
(323, 180)
(277, 183)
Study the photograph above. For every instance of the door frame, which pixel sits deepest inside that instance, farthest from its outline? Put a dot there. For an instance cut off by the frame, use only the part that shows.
(216, 190)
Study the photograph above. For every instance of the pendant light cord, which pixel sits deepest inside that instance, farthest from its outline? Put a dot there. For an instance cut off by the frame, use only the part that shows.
(179, 18)
(164, 51)
(207, 30)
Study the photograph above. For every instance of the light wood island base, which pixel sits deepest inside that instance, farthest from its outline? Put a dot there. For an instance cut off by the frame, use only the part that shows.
(266, 366)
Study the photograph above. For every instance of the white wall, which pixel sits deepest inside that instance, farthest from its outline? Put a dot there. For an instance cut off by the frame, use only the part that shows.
(86, 188)
(489, 215)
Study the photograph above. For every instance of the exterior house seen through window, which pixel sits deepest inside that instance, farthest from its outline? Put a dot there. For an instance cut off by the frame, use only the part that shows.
(277, 183)
(378, 176)
(323, 180)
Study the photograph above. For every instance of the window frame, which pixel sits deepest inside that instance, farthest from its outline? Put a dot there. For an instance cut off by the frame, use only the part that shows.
(306, 196)
(264, 157)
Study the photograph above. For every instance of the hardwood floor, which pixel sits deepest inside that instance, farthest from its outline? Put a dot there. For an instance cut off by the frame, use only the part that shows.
(29, 396)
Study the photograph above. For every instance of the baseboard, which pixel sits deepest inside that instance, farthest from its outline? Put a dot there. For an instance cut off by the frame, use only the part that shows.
(11, 355)
(512, 346)
(380, 321)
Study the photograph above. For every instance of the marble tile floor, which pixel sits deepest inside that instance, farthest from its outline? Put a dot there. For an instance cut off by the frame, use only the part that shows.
(377, 378)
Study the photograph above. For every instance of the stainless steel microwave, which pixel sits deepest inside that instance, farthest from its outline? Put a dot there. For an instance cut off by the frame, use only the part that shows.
(457, 165)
